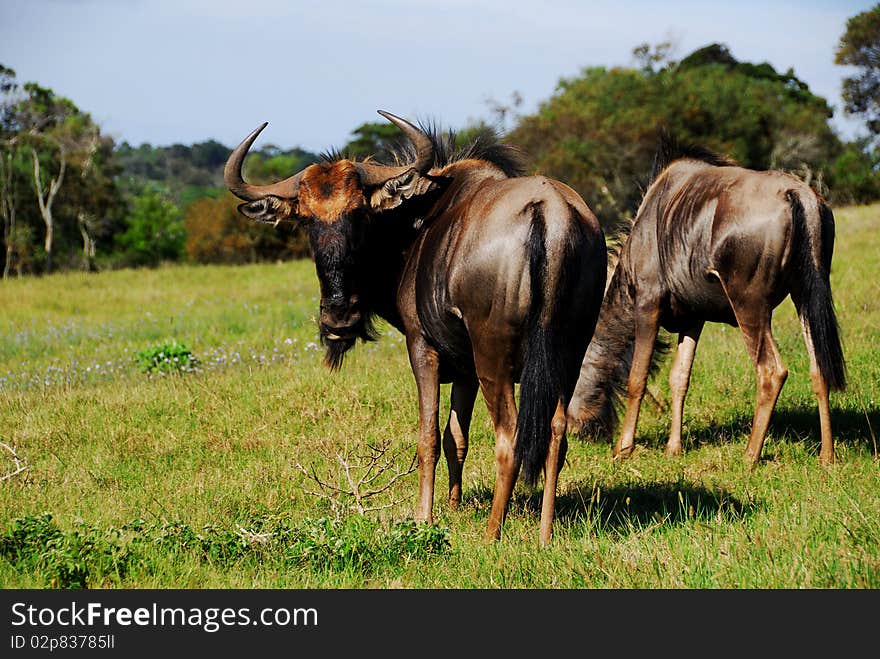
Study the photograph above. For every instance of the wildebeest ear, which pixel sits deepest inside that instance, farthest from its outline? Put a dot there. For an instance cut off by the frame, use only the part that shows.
(268, 209)
(395, 191)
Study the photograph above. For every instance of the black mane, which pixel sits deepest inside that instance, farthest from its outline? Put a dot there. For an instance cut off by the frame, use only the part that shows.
(670, 149)
(485, 145)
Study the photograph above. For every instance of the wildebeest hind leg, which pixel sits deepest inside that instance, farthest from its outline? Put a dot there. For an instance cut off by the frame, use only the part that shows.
(679, 380)
(455, 436)
(647, 327)
(497, 385)
(754, 320)
(820, 388)
(552, 467)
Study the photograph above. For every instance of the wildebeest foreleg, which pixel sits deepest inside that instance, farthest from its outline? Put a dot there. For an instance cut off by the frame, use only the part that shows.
(455, 437)
(552, 467)
(679, 380)
(424, 362)
(647, 327)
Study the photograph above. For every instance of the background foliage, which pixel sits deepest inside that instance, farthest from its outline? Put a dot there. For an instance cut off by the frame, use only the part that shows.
(70, 198)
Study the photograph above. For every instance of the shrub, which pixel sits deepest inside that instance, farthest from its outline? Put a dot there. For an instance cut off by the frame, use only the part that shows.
(854, 177)
(155, 230)
(217, 233)
(66, 560)
(89, 556)
(168, 357)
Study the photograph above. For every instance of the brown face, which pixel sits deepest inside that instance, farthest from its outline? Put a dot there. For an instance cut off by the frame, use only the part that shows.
(334, 202)
(332, 208)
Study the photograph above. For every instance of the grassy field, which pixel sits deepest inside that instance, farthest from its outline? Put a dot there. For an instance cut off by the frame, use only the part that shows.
(238, 472)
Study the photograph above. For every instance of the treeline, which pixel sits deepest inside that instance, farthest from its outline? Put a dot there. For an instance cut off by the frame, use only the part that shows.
(598, 132)
(72, 199)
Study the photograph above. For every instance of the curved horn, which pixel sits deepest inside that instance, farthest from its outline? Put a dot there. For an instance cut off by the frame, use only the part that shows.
(232, 175)
(376, 174)
(424, 148)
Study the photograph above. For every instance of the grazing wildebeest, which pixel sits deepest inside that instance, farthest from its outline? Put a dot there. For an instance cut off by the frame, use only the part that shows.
(494, 278)
(712, 242)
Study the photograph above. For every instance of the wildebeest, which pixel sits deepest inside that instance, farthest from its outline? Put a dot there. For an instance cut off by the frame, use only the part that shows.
(493, 277)
(712, 242)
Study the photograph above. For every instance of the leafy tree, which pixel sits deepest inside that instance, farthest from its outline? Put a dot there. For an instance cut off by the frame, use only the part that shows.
(57, 172)
(9, 165)
(155, 230)
(192, 172)
(860, 47)
(263, 167)
(598, 132)
(217, 233)
(372, 138)
(855, 174)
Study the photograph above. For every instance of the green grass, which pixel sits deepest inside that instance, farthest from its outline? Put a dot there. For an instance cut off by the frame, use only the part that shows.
(194, 479)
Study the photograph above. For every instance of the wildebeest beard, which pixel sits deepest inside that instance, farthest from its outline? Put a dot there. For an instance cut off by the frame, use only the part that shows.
(337, 348)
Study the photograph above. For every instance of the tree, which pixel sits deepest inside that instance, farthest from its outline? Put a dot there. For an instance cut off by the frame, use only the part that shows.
(8, 203)
(598, 132)
(155, 230)
(8, 197)
(42, 115)
(59, 152)
(855, 174)
(372, 138)
(46, 196)
(860, 47)
(217, 233)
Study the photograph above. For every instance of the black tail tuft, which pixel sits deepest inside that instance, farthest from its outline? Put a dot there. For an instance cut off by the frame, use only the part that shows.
(541, 383)
(540, 392)
(812, 295)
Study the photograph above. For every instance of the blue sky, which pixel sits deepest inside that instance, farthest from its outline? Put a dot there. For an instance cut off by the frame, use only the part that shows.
(166, 71)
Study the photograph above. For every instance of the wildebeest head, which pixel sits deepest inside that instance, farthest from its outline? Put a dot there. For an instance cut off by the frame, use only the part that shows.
(336, 202)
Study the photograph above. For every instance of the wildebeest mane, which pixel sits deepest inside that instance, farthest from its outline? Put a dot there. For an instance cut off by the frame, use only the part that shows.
(669, 149)
(485, 145)
(334, 154)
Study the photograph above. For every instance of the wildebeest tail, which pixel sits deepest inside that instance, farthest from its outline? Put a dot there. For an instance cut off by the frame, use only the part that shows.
(601, 389)
(548, 376)
(813, 239)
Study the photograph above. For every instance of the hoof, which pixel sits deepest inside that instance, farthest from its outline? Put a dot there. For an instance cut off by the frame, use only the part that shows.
(622, 454)
(826, 460)
(492, 534)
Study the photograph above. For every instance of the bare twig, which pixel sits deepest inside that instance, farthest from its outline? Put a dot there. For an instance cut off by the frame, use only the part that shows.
(20, 465)
(366, 475)
(253, 537)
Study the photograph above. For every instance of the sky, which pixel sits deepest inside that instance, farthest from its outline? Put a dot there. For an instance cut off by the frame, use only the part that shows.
(185, 71)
